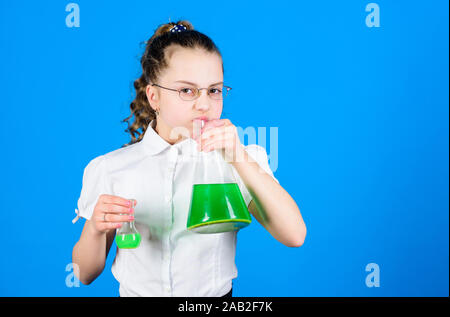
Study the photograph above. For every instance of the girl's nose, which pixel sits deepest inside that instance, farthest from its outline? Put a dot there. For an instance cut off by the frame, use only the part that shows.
(203, 101)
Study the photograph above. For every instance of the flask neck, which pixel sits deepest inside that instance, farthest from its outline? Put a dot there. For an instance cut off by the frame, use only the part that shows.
(127, 227)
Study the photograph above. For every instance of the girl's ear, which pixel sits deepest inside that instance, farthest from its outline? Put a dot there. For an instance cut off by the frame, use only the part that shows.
(151, 96)
(148, 92)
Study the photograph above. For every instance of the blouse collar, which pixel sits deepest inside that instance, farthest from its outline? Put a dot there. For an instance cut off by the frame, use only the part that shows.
(155, 144)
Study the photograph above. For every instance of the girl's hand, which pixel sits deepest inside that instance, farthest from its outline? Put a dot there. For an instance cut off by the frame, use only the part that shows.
(220, 134)
(110, 211)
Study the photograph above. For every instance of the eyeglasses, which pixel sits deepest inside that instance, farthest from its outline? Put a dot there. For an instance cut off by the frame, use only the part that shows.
(189, 94)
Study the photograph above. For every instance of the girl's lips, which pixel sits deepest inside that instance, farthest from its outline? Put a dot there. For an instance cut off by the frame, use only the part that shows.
(201, 118)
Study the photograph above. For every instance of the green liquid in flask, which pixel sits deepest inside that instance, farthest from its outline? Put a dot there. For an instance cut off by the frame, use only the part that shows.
(128, 241)
(220, 207)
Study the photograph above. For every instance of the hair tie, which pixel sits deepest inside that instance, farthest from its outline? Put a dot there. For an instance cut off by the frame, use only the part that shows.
(178, 28)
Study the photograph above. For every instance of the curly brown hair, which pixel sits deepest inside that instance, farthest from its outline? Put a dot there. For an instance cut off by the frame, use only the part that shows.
(153, 62)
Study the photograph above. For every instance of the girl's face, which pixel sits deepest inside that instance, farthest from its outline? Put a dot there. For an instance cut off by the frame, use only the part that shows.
(187, 68)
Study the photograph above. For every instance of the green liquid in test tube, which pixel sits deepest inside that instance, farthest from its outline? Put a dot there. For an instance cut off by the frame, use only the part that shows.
(127, 236)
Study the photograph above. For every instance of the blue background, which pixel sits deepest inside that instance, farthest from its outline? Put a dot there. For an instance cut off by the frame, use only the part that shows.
(362, 117)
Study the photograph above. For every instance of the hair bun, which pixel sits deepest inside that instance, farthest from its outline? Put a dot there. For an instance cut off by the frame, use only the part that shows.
(178, 28)
(182, 25)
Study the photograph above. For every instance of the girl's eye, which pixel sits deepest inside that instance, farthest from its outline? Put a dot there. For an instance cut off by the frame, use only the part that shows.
(215, 91)
(186, 90)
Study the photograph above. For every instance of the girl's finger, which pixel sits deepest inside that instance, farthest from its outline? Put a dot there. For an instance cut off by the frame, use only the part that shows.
(222, 144)
(212, 124)
(210, 127)
(228, 129)
(112, 208)
(208, 135)
(216, 141)
(109, 225)
(222, 133)
(116, 200)
(118, 218)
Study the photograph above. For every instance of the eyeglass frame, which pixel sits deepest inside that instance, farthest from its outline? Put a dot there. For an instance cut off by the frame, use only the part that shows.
(228, 88)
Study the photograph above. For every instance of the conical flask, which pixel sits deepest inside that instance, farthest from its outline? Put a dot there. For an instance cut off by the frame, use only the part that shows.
(216, 204)
(127, 236)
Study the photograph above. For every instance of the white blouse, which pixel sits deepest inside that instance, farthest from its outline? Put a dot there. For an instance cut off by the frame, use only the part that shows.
(170, 261)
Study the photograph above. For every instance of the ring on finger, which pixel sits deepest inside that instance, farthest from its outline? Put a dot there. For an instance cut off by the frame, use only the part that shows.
(104, 217)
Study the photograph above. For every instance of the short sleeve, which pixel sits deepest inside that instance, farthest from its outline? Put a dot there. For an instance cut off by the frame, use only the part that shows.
(259, 154)
(94, 185)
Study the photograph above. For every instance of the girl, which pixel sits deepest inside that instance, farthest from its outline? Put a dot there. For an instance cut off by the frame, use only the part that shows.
(150, 180)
